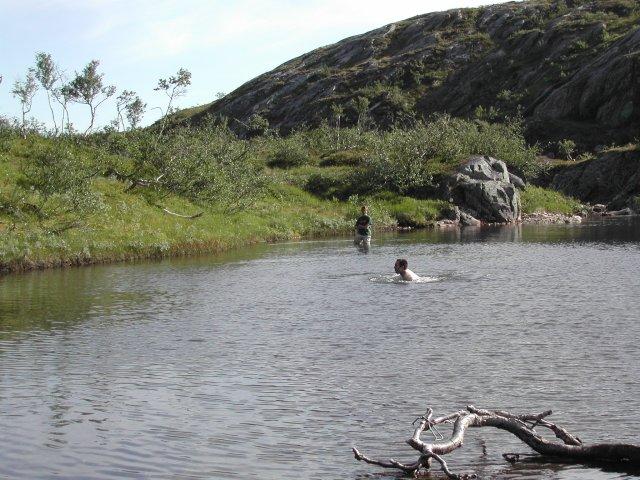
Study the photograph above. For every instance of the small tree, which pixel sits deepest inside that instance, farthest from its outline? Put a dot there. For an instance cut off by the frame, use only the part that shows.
(88, 88)
(47, 74)
(135, 111)
(25, 91)
(63, 95)
(257, 125)
(337, 111)
(173, 87)
(361, 106)
(122, 101)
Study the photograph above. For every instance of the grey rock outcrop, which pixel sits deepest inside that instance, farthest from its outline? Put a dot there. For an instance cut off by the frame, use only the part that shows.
(574, 72)
(483, 191)
(612, 179)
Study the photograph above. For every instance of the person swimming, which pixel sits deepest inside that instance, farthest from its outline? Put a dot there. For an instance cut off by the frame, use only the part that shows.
(401, 269)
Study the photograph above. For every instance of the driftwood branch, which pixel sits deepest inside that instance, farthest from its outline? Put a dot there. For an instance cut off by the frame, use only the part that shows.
(169, 212)
(524, 427)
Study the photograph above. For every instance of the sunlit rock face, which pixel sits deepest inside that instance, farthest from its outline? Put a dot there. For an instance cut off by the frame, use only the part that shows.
(482, 188)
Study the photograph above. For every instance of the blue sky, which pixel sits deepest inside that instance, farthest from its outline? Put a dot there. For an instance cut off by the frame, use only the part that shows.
(223, 43)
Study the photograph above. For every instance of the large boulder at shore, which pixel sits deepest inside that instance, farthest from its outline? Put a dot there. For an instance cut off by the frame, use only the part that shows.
(484, 189)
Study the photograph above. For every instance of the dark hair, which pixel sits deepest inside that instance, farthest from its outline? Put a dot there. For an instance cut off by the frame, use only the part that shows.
(402, 263)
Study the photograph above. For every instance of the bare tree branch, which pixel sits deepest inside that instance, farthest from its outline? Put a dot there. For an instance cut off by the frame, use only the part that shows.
(522, 426)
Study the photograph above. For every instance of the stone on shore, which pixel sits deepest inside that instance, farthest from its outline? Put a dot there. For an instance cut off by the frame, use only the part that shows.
(484, 189)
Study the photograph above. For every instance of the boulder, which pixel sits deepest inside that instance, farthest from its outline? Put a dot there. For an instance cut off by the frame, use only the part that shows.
(482, 188)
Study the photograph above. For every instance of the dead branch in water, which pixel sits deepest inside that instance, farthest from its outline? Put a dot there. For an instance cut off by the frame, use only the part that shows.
(522, 426)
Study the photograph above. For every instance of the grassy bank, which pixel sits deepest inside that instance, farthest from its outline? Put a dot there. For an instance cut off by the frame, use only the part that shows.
(538, 199)
(129, 223)
(118, 196)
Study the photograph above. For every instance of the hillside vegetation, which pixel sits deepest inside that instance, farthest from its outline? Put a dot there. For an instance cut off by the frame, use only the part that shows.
(381, 119)
(122, 195)
(569, 66)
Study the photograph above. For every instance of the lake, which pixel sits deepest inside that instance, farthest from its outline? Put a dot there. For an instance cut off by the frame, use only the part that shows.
(273, 361)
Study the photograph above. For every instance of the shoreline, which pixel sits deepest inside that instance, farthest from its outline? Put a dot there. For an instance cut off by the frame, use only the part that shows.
(215, 247)
(178, 250)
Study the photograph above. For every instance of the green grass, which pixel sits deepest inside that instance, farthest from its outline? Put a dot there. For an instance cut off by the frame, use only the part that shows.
(49, 217)
(129, 227)
(130, 224)
(538, 199)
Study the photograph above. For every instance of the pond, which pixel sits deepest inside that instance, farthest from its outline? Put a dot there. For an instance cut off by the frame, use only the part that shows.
(272, 362)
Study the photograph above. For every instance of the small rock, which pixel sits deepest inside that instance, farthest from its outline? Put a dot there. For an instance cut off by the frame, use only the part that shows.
(618, 213)
(446, 223)
(467, 220)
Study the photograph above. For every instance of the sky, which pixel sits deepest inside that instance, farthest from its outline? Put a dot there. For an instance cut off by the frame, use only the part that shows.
(222, 43)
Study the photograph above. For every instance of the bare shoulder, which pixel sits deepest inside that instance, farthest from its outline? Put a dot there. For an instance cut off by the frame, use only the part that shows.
(410, 276)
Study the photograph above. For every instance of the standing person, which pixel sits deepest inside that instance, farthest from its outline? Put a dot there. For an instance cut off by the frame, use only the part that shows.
(363, 228)
(401, 268)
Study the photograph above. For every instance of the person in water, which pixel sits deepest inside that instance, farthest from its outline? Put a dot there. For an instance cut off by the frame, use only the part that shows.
(363, 227)
(401, 269)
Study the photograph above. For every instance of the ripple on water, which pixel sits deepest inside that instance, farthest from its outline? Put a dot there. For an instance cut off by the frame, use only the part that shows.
(272, 367)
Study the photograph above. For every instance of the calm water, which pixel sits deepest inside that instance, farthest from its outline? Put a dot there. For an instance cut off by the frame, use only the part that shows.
(272, 362)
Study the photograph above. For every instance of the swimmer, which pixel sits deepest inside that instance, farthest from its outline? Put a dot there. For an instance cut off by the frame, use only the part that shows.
(401, 269)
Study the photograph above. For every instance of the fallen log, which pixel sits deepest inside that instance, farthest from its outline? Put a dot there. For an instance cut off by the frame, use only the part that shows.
(524, 427)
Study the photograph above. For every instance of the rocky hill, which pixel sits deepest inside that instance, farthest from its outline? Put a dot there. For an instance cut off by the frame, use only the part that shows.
(571, 67)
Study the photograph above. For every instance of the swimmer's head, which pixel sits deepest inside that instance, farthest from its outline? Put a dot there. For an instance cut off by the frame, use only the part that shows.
(401, 265)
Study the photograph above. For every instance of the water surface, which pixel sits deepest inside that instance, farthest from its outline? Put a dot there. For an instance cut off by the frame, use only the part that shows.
(271, 362)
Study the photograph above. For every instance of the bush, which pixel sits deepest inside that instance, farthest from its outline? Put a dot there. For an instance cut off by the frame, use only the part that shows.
(56, 181)
(210, 165)
(412, 161)
(288, 153)
(566, 148)
(343, 158)
(328, 186)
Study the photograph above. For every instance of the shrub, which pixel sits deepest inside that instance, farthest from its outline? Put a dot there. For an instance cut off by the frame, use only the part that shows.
(56, 180)
(412, 161)
(566, 148)
(288, 153)
(343, 158)
(210, 165)
(328, 186)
